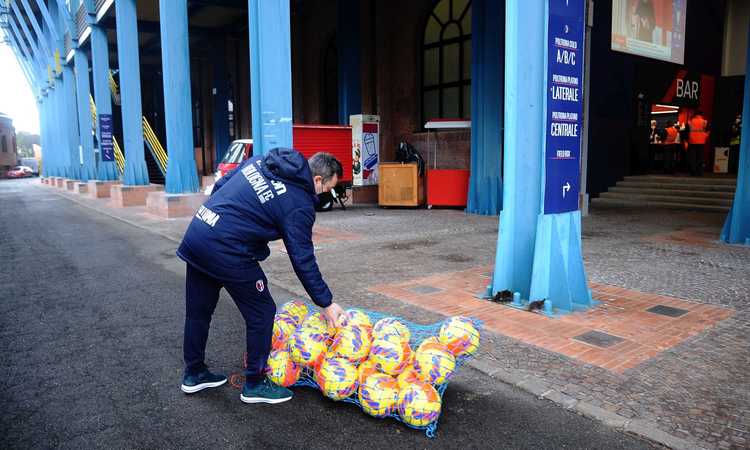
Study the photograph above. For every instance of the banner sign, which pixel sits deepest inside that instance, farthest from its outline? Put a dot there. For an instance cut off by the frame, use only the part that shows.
(365, 149)
(105, 137)
(565, 48)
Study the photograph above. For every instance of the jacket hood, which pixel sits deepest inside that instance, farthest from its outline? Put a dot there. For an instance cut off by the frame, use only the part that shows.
(288, 165)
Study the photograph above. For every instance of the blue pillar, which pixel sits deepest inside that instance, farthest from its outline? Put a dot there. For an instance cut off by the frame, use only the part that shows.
(136, 172)
(107, 170)
(175, 56)
(737, 226)
(486, 183)
(221, 101)
(524, 134)
(70, 122)
(348, 47)
(539, 248)
(270, 74)
(83, 92)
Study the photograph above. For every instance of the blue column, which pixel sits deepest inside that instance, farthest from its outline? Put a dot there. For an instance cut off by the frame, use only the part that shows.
(175, 56)
(486, 183)
(524, 134)
(348, 47)
(737, 226)
(107, 170)
(83, 92)
(221, 99)
(136, 172)
(70, 122)
(538, 254)
(270, 74)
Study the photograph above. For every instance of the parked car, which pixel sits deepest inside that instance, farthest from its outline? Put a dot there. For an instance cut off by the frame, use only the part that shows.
(19, 172)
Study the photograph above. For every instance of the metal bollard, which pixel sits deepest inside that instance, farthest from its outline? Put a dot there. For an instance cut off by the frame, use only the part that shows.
(517, 299)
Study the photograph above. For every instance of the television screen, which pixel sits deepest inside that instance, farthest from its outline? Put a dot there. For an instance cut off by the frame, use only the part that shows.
(650, 28)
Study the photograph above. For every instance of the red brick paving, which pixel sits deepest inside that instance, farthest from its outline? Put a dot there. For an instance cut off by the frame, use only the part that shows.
(701, 237)
(622, 313)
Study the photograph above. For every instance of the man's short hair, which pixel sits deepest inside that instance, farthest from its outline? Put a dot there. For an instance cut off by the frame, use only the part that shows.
(325, 165)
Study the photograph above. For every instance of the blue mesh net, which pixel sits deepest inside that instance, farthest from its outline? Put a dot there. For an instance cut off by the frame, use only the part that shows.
(419, 333)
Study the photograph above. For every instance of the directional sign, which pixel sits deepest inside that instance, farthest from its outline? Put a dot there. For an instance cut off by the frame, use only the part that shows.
(105, 142)
(564, 105)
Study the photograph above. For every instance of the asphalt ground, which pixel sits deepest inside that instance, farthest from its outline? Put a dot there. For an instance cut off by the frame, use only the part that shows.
(91, 315)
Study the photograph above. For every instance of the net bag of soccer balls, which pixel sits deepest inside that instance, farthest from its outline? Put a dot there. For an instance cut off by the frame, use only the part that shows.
(388, 366)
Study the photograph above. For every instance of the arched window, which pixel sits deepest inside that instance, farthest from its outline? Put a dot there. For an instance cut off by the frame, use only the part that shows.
(446, 61)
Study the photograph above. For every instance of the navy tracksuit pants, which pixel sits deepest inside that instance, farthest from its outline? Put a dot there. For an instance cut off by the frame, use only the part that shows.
(255, 304)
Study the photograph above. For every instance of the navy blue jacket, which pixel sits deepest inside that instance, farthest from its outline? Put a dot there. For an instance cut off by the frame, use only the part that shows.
(264, 199)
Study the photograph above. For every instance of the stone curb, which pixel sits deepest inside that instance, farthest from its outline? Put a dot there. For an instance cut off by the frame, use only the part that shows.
(541, 389)
(529, 383)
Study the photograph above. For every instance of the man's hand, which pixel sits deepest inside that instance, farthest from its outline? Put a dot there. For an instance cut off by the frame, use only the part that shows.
(332, 313)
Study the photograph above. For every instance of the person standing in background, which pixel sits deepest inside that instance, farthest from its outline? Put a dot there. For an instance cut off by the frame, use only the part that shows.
(645, 20)
(671, 141)
(734, 144)
(697, 137)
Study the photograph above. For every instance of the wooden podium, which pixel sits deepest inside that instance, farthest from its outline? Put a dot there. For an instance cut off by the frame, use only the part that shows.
(400, 185)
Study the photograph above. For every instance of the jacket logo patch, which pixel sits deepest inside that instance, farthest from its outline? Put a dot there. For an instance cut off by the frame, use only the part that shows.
(259, 285)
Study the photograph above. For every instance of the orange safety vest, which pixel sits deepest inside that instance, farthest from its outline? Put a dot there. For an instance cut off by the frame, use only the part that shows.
(698, 134)
(671, 135)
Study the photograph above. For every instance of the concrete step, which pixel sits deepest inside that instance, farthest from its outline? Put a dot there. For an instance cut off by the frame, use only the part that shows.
(677, 192)
(688, 200)
(677, 186)
(616, 202)
(667, 179)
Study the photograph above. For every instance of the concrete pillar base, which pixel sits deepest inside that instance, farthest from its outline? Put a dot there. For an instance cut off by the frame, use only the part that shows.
(69, 184)
(59, 182)
(123, 196)
(100, 189)
(81, 188)
(364, 195)
(173, 205)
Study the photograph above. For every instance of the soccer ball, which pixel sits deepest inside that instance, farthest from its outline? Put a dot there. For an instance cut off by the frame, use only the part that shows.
(337, 378)
(281, 369)
(355, 317)
(366, 369)
(284, 326)
(419, 404)
(318, 322)
(408, 377)
(429, 342)
(460, 336)
(296, 309)
(378, 395)
(390, 355)
(434, 365)
(306, 346)
(352, 343)
(389, 325)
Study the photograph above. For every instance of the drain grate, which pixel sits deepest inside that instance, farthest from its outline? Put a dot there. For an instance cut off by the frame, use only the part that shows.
(599, 339)
(423, 289)
(665, 310)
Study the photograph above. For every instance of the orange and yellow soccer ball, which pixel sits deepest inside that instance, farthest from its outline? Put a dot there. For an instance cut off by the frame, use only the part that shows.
(352, 343)
(281, 369)
(296, 309)
(284, 326)
(434, 365)
(366, 369)
(419, 404)
(355, 317)
(378, 395)
(307, 345)
(460, 336)
(337, 378)
(390, 325)
(318, 322)
(390, 354)
(407, 377)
